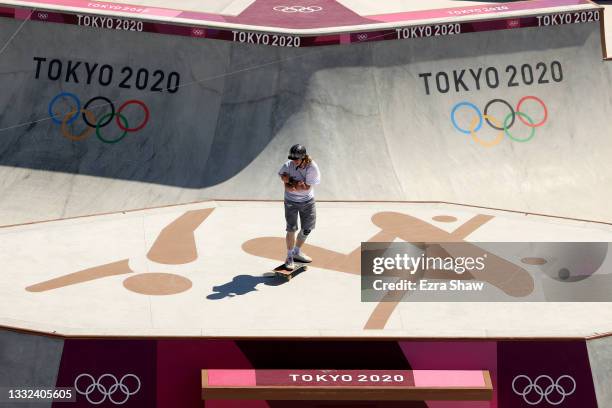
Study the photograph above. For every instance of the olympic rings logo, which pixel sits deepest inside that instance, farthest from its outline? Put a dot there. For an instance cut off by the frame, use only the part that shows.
(362, 37)
(93, 123)
(544, 389)
(502, 126)
(298, 9)
(118, 387)
(198, 32)
(43, 16)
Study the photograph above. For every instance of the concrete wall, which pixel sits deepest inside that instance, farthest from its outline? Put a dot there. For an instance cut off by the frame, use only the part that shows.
(600, 357)
(28, 361)
(362, 111)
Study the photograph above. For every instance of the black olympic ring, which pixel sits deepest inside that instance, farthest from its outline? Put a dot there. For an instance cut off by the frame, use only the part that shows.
(512, 112)
(543, 391)
(96, 385)
(104, 122)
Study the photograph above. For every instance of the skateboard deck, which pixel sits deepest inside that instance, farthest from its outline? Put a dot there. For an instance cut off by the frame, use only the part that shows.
(285, 273)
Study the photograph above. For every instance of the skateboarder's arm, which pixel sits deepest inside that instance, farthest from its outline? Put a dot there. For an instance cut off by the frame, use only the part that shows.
(313, 176)
(302, 186)
(283, 174)
(290, 184)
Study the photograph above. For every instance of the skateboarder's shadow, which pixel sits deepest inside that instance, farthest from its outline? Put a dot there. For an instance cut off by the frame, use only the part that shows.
(243, 284)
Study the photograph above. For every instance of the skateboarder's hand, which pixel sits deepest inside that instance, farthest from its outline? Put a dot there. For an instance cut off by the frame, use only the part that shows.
(285, 178)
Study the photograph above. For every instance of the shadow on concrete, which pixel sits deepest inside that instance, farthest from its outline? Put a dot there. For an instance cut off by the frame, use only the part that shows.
(244, 284)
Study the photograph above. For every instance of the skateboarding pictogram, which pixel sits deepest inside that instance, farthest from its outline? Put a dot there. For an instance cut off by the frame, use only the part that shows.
(508, 277)
(175, 245)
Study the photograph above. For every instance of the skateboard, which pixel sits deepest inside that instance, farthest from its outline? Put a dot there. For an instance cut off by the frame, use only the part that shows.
(285, 273)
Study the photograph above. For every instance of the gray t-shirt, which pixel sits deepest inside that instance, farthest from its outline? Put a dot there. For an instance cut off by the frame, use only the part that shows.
(309, 175)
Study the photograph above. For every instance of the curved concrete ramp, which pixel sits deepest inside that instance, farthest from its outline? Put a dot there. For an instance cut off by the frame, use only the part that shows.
(376, 117)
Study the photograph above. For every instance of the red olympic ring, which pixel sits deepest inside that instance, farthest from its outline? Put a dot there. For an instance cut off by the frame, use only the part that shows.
(538, 100)
(130, 102)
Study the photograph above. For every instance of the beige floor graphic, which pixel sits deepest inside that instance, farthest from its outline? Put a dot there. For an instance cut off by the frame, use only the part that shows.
(86, 275)
(157, 284)
(174, 245)
(511, 278)
(117, 274)
(534, 261)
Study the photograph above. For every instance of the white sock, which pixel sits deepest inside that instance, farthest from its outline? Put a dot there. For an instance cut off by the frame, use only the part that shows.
(290, 253)
(296, 250)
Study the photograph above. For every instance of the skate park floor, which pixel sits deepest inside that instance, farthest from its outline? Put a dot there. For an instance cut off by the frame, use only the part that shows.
(203, 269)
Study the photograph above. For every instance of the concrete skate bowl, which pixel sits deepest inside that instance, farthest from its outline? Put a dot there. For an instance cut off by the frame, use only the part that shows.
(226, 114)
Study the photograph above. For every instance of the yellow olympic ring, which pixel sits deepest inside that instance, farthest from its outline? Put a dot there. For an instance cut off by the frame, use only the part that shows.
(494, 142)
(85, 134)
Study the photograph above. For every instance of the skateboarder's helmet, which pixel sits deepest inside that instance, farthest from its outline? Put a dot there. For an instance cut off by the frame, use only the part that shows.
(297, 152)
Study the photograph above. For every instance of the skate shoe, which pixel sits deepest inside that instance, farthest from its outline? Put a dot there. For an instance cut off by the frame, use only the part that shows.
(300, 256)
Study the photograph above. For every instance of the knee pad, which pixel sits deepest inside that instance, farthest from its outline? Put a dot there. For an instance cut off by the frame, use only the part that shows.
(304, 234)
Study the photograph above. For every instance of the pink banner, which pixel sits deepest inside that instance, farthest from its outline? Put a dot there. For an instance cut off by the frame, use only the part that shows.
(332, 15)
(492, 8)
(112, 7)
(343, 378)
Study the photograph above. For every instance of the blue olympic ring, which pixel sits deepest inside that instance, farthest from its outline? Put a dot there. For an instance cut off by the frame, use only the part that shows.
(55, 99)
(469, 105)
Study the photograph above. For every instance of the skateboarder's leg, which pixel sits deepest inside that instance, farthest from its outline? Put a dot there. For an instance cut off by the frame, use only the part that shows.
(291, 217)
(308, 219)
(290, 239)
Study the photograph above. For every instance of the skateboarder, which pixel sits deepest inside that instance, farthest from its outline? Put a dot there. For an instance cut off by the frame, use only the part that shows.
(299, 174)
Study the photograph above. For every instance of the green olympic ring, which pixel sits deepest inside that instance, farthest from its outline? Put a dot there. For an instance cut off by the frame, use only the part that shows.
(525, 116)
(102, 119)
